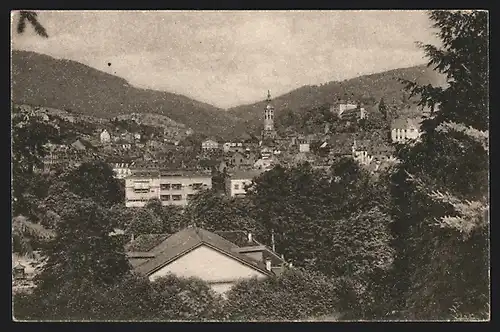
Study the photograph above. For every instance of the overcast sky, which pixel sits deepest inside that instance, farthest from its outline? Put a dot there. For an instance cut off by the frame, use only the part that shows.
(233, 57)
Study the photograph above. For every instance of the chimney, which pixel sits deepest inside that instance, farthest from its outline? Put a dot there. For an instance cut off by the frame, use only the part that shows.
(268, 264)
(249, 237)
(272, 240)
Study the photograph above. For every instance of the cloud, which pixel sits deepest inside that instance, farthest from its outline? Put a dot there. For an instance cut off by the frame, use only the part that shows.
(231, 57)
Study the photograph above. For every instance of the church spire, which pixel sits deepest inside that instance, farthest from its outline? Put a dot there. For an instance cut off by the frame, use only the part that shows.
(268, 96)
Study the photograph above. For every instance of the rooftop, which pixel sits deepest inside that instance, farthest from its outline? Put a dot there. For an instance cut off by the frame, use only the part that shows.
(156, 172)
(188, 239)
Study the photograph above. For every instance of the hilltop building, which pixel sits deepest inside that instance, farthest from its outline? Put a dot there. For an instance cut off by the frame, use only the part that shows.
(170, 187)
(403, 130)
(348, 111)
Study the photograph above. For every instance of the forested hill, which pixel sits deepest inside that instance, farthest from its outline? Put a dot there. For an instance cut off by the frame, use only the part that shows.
(368, 89)
(42, 80)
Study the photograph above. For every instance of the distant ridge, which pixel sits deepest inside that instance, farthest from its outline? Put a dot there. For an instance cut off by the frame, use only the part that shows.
(39, 79)
(367, 88)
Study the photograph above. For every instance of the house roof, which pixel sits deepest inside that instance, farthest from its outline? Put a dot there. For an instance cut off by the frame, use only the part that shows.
(399, 123)
(189, 239)
(146, 242)
(240, 238)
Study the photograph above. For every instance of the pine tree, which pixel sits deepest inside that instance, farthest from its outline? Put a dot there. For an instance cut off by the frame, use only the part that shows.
(32, 18)
(440, 188)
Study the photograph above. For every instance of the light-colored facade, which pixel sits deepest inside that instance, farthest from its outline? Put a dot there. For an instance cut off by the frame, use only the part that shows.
(233, 147)
(236, 183)
(122, 170)
(354, 114)
(304, 147)
(264, 164)
(341, 108)
(171, 188)
(209, 145)
(105, 137)
(217, 269)
(403, 130)
(221, 258)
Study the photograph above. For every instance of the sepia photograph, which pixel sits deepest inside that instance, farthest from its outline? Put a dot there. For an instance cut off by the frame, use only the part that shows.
(250, 165)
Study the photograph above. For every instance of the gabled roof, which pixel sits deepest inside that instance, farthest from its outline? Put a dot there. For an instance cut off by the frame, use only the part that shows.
(240, 238)
(189, 239)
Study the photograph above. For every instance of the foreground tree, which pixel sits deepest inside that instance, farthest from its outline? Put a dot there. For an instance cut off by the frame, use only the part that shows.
(440, 188)
(215, 212)
(94, 180)
(318, 217)
(29, 136)
(32, 18)
(296, 294)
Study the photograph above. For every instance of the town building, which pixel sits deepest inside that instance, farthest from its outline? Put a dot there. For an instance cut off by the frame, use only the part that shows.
(237, 182)
(209, 145)
(170, 187)
(265, 164)
(233, 147)
(121, 170)
(269, 132)
(353, 114)
(212, 257)
(304, 147)
(105, 137)
(403, 130)
(266, 153)
(360, 153)
(342, 107)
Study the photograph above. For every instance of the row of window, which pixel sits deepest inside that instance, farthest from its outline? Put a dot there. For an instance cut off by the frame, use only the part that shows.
(178, 186)
(173, 186)
(165, 198)
(141, 190)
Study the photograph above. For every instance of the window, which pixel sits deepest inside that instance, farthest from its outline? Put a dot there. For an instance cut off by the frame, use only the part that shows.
(141, 191)
(141, 181)
(165, 197)
(236, 186)
(165, 186)
(176, 186)
(197, 186)
(176, 197)
(190, 196)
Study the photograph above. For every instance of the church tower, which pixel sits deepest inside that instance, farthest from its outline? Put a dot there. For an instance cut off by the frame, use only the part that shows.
(269, 132)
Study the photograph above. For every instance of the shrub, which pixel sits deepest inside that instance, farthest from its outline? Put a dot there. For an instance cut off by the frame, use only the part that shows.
(296, 294)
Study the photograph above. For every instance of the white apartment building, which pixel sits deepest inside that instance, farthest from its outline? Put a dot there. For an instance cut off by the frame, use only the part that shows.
(236, 183)
(170, 187)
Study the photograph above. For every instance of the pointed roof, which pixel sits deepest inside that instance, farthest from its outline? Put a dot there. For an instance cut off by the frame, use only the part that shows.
(188, 239)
